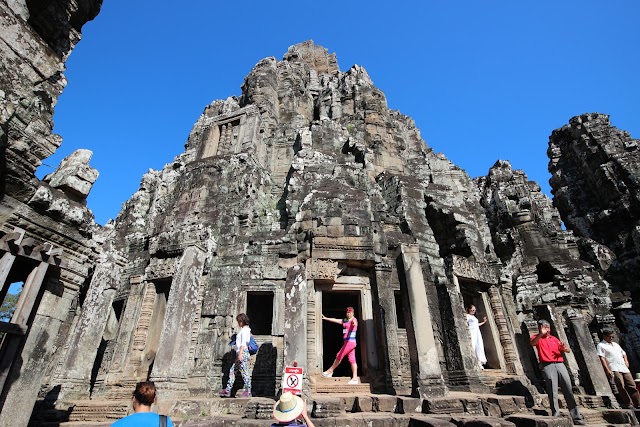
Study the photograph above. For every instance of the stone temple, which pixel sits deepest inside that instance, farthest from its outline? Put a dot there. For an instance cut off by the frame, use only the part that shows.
(299, 197)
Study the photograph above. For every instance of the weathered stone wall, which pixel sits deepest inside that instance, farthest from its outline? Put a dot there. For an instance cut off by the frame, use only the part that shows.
(304, 185)
(49, 239)
(308, 173)
(595, 169)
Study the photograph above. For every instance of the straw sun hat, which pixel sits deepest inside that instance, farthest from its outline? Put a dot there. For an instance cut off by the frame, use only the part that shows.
(288, 408)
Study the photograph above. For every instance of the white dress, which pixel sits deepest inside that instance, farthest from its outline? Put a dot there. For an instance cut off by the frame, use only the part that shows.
(476, 338)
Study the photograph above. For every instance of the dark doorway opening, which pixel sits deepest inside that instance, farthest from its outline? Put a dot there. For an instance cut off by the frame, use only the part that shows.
(472, 295)
(260, 312)
(334, 304)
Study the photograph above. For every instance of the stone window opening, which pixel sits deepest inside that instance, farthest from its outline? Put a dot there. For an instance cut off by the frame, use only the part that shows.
(260, 312)
(9, 297)
(400, 310)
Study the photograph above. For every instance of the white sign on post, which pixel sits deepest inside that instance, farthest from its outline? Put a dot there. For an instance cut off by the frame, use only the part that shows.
(292, 380)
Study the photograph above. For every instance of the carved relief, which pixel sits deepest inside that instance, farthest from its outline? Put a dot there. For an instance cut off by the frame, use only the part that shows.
(324, 269)
(161, 268)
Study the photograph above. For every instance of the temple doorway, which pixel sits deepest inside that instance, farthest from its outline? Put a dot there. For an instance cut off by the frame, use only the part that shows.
(472, 294)
(334, 304)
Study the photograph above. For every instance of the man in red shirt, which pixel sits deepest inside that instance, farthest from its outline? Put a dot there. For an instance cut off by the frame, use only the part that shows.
(550, 353)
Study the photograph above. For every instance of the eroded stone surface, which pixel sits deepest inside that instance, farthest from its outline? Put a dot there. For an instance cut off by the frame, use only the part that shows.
(302, 189)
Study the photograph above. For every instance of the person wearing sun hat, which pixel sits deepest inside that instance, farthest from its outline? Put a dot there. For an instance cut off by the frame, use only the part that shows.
(288, 409)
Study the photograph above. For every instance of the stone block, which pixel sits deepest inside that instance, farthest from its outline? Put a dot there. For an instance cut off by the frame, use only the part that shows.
(473, 406)
(348, 402)
(351, 230)
(539, 421)
(442, 405)
(506, 404)
(386, 404)
(481, 422)
(426, 421)
(335, 230)
(363, 404)
(325, 407)
(491, 409)
(408, 405)
(337, 221)
(621, 416)
(259, 408)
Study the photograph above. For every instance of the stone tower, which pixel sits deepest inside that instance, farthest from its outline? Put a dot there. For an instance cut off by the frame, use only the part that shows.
(305, 195)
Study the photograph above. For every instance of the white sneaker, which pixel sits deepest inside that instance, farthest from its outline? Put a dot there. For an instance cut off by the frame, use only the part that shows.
(352, 382)
(327, 374)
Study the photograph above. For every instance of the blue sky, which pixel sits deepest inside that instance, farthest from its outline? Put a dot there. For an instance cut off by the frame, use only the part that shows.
(483, 80)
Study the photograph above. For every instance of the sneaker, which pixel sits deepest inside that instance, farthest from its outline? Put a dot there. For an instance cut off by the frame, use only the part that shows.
(327, 374)
(246, 393)
(579, 422)
(352, 382)
(224, 393)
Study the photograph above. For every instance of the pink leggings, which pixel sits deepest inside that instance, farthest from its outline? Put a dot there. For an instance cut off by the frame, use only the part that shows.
(348, 349)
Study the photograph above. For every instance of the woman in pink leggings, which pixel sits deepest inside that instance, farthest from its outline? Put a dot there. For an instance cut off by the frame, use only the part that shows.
(349, 329)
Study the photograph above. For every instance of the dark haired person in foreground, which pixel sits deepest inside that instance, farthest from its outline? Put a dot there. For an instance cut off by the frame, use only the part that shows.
(143, 397)
(616, 365)
(550, 353)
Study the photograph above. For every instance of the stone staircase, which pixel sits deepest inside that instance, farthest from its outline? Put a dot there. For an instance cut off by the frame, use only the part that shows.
(458, 409)
(319, 384)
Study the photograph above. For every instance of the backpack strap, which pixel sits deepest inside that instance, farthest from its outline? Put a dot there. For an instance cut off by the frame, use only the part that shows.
(163, 421)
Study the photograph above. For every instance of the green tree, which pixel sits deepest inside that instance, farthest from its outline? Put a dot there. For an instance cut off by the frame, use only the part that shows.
(8, 307)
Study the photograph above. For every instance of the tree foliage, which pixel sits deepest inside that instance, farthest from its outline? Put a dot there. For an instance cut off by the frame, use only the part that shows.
(8, 307)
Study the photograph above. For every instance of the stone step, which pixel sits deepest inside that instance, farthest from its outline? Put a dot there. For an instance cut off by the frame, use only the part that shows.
(320, 384)
(90, 410)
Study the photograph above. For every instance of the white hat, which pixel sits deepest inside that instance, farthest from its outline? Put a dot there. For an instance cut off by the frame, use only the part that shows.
(288, 408)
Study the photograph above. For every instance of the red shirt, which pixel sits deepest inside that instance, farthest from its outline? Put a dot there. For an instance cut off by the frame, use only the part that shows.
(548, 349)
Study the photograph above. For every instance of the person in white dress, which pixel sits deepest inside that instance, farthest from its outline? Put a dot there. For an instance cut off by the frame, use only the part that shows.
(476, 335)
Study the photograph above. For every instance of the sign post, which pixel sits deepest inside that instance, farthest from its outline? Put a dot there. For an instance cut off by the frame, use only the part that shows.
(292, 380)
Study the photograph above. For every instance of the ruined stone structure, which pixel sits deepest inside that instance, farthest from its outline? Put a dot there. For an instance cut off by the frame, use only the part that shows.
(300, 197)
(595, 170)
(49, 239)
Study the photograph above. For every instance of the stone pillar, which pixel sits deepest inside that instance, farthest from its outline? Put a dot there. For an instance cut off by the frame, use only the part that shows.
(26, 377)
(570, 358)
(430, 382)
(505, 333)
(88, 332)
(393, 376)
(295, 319)
(594, 377)
(11, 344)
(113, 378)
(171, 368)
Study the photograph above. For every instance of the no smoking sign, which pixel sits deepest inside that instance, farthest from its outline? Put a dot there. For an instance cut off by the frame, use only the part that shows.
(292, 380)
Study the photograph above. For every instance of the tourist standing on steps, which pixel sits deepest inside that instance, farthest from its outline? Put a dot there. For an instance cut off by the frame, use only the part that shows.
(476, 335)
(242, 358)
(349, 329)
(143, 397)
(550, 353)
(616, 365)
